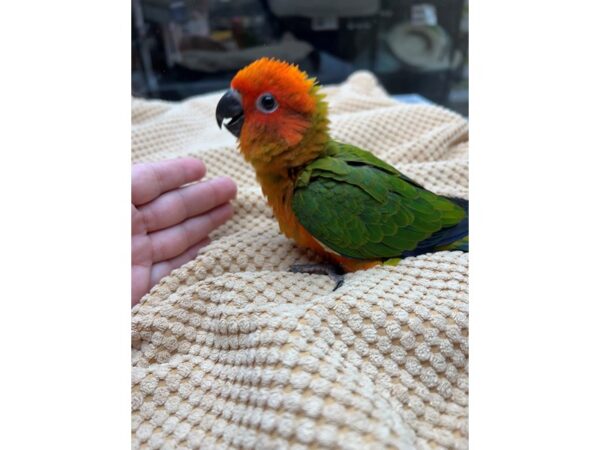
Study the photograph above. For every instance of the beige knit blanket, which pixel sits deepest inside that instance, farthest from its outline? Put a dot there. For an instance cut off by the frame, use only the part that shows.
(233, 351)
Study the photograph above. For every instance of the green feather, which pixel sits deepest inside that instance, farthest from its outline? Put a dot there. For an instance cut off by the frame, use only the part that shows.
(361, 207)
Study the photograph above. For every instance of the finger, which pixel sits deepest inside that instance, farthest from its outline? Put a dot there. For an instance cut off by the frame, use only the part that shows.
(150, 180)
(164, 268)
(176, 206)
(171, 242)
(140, 282)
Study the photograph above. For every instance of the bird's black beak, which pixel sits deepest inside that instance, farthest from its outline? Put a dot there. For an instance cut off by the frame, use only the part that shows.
(230, 107)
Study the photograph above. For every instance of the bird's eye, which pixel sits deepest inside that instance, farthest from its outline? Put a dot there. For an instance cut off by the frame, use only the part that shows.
(266, 103)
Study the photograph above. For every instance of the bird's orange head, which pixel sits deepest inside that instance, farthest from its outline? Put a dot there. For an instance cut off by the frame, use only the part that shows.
(271, 106)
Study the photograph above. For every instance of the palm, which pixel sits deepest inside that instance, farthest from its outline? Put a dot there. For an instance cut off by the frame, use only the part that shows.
(171, 222)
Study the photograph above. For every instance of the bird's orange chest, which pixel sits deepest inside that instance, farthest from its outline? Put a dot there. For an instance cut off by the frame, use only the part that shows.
(279, 190)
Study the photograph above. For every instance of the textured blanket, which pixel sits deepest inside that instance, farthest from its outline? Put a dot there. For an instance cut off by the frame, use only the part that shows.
(233, 351)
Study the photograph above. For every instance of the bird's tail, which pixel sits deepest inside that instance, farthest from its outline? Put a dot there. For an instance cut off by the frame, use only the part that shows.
(461, 245)
(451, 238)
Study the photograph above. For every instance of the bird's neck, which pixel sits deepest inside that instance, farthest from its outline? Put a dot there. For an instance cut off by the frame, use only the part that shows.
(278, 176)
(277, 168)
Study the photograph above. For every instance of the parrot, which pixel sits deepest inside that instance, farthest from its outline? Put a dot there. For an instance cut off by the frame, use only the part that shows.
(348, 206)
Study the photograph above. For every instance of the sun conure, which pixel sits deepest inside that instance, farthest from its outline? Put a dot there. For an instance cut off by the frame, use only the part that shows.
(337, 199)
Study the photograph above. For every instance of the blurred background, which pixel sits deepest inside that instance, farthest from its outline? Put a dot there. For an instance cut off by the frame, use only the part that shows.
(418, 51)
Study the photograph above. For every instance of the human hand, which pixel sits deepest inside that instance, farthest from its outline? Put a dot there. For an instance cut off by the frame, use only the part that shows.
(170, 223)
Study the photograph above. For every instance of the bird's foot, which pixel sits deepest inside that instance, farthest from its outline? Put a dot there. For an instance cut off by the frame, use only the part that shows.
(335, 272)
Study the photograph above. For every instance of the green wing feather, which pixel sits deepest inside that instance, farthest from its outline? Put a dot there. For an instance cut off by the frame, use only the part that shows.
(361, 207)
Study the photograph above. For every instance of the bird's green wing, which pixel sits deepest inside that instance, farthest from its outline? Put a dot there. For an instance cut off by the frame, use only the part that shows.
(361, 207)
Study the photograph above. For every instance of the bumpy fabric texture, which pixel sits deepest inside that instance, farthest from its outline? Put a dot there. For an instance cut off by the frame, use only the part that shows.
(233, 351)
